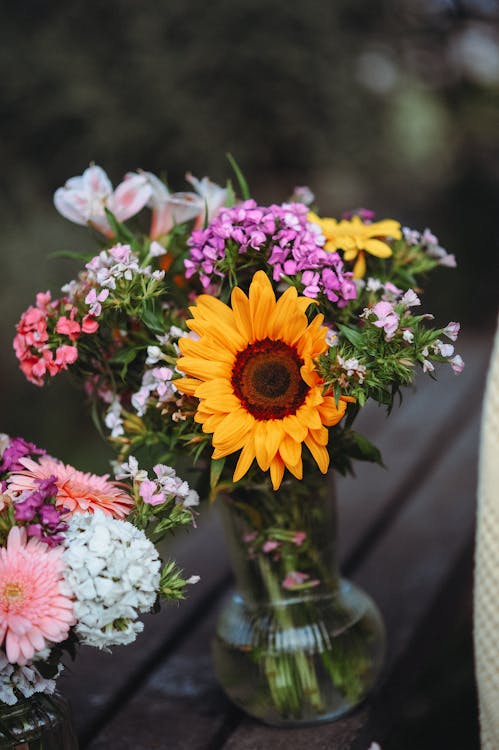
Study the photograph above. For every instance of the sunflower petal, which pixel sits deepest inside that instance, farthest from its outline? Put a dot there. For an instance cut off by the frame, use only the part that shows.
(245, 460)
(320, 454)
(276, 471)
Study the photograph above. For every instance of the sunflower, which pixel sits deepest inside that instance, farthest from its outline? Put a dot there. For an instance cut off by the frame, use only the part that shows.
(356, 238)
(253, 371)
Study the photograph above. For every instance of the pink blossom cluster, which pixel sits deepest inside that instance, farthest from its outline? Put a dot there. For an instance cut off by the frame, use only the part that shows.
(156, 385)
(164, 486)
(49, 326)
(293, 246)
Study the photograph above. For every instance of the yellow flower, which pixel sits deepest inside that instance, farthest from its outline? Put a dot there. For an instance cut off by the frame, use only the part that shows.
(253, 371)
(354, 237)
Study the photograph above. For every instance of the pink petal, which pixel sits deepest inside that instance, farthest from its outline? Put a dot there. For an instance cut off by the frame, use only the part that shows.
(130, 197)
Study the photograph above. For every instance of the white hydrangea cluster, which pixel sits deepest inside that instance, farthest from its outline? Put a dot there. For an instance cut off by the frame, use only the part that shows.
(26, 680)
(114, 572)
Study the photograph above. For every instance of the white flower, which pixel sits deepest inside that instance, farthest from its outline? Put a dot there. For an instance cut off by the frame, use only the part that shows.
(374, 285)
(154, 354)
(130, 469)
(26, 680)
(156, 250)
(114, 572)
(113, 419)
(445, 350)
(408, 335)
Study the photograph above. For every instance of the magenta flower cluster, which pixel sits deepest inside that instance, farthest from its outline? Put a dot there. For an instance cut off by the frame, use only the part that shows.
(17, 448)
(39, 513)
(293, 247)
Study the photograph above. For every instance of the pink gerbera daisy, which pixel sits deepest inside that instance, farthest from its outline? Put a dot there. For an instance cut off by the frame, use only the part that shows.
(35, 603)
(77, 491)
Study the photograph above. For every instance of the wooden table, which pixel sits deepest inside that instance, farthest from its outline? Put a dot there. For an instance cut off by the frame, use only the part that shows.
(406, 536)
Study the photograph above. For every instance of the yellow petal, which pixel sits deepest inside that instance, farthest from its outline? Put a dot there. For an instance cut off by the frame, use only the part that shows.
(276, 471)
(187, 385)
(262, 303)
(294, 428)
(290, 451)
(240, 307)
(385, 228)
(232, 429)
(378, 248)
(320, 454)
(204, 369)
(244, 462)
(359, 269)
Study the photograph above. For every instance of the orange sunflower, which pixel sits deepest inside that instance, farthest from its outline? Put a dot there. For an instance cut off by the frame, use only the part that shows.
(253, 371)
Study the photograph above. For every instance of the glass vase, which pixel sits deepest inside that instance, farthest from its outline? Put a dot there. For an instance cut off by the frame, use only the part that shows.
(296, 644)
(41, 722)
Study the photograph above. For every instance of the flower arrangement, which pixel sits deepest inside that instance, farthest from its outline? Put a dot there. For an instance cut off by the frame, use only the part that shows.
(238, 342)
(77, 564)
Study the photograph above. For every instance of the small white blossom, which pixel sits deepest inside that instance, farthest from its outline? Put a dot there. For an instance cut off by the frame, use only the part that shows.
(154, 355)
(114, 572)
(113, 419)
(130, 469)
(411, 236)
(374, 285)
(445, 350)
(408, 335)
(332, 337)
(156, 250)
(26, 680)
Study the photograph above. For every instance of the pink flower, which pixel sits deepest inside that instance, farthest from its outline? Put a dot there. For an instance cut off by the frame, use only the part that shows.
(148, 493)
(84, 199)
(77, 491)
(89, 324)
(297, 580)
(387, 318)
(94, 300)
(35, 603)
(68, 326)
(299, 537)
(66, 355)
(270, 546)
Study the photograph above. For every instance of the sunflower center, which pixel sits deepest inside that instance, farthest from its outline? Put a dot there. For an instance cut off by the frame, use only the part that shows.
(266, 378)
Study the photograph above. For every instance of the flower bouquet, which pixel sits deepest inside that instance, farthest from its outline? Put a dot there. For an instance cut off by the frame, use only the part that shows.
(77, 566)
(238, 342)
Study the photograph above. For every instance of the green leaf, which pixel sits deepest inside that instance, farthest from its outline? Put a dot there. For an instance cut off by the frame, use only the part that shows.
(154, 321)
(354, 337)
(361, 448)
(230, 199)
(216, 468)
(123, 234)
(243, 185)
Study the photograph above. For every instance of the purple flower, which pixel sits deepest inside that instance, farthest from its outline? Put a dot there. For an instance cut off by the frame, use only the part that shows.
(16, 449)
(291, 245)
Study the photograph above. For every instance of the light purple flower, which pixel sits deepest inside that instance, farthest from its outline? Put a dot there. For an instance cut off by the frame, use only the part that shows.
(410, 299)
(388, 319)
(451, 330)
(457, 364)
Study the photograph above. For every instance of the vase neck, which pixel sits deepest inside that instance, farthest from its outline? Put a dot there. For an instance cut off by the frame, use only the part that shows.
(283, 544)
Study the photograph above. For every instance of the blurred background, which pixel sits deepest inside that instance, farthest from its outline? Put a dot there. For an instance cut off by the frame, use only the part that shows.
(387, 104)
